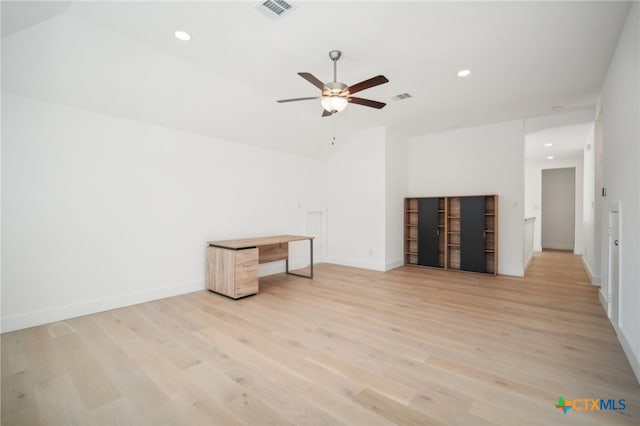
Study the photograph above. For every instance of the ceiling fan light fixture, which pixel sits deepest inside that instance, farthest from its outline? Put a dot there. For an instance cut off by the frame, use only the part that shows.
(182, 35)
(334, 103)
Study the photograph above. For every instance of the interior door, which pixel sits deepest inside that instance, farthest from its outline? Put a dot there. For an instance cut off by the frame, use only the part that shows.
(472, 235)
(428, 231)
(558, 220)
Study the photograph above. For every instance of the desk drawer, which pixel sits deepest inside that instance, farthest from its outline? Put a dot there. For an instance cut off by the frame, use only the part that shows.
(273, 252)
(246, 272)
(246, 279)
(246, 256)
(233, 273)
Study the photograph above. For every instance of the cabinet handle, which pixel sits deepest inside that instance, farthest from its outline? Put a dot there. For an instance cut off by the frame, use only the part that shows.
(438, 232)
(484, 235)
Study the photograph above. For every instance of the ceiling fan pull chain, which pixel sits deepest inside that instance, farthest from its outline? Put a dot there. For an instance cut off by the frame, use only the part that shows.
(333, 130)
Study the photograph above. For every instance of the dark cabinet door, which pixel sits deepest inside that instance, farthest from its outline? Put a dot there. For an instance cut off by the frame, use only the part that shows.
(472, 254)
(428, 231)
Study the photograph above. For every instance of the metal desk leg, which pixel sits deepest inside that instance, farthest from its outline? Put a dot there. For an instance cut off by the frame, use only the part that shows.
(310, 276)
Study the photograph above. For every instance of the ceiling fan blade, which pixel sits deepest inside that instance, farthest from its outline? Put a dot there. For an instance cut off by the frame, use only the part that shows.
(313, 80)
(372, 82)
(326, 113)
(298, 99)
(366, 102)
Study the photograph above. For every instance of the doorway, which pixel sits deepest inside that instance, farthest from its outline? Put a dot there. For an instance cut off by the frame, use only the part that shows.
(558, 208)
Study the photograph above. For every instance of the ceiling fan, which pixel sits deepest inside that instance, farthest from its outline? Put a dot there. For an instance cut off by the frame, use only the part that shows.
(336, 95)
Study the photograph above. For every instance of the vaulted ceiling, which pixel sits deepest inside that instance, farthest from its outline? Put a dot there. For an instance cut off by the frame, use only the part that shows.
(121, 58)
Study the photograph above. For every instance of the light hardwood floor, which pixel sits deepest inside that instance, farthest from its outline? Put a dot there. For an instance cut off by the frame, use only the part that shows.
(412, 346)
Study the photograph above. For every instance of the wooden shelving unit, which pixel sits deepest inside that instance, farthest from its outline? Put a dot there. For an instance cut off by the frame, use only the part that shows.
(425, 233)
(491, 233)
(411, 231)
(453, 232)
(461, 237)
(442, 232)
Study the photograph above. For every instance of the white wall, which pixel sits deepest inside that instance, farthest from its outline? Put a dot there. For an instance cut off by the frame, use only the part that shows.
(598, 228)
(533, 197)
(367, 181)
(527, 243)
(100, 212)
(620, 106)
(356, 202)
(591, 255)
(397, 183)
(559, 119)
(481, 160)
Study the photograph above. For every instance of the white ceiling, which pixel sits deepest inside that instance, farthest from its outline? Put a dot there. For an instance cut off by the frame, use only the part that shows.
(566, 142)
(121, 58)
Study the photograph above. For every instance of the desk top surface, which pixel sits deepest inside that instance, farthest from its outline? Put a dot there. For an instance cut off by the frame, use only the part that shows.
(257, 242)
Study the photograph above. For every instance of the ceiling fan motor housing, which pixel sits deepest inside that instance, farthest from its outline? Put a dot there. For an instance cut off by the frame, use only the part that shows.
(335, 88)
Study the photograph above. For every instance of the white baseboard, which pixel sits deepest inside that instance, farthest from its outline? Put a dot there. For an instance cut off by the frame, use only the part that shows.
(59, 313)
(527, 263)
(595, 279)
(280, 267)
(603, 301)
(393, 265)
(631, 355)
(374, 266)
(559, 246)
(537, 248)
(579, 251)
(514, 271)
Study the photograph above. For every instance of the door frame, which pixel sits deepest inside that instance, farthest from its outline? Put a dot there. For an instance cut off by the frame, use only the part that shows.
(614, 208)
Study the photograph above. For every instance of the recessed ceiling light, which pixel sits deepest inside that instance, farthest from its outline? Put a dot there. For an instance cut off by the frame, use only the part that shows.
(548, 144)
(550, 157)
(464, 73)
(181, 35)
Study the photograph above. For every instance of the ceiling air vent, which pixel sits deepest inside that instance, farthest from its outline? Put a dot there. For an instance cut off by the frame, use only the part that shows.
(275, 7)
(401, 97)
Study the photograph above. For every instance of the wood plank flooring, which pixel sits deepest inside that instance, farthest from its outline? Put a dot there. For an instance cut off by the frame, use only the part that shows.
(412, 346)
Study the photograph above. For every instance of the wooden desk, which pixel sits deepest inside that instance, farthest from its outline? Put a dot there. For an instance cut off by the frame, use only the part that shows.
(232, 265)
